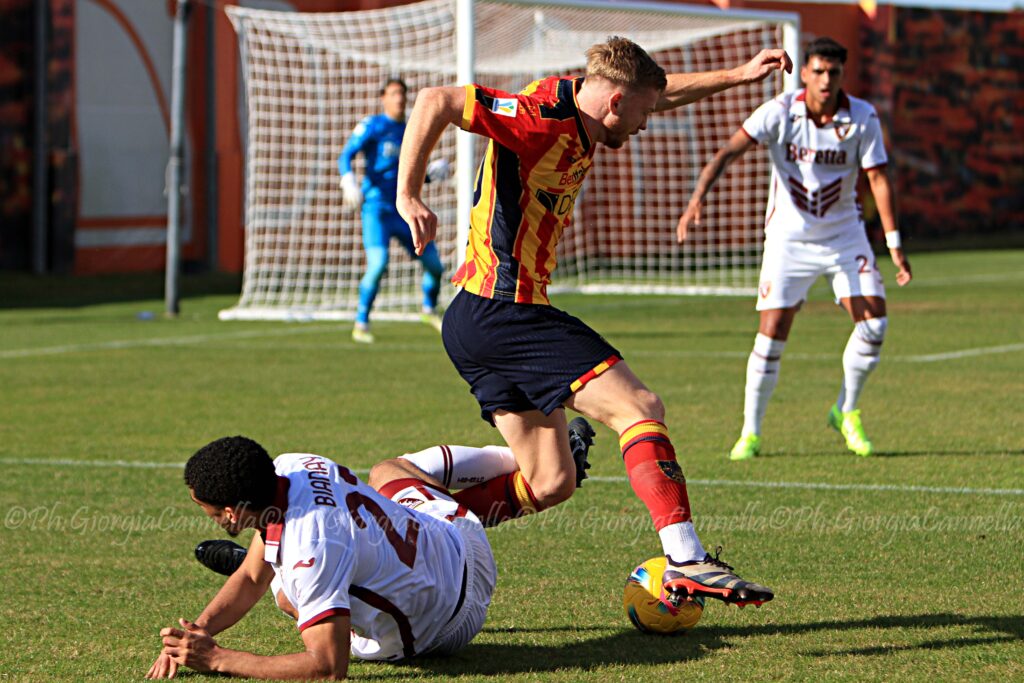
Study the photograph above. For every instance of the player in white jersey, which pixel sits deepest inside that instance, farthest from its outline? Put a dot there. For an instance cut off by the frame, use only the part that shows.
(380, 573)
(819, 139)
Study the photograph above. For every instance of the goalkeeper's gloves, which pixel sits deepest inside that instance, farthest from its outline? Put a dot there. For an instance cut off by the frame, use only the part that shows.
(438, 170)
(352, 196)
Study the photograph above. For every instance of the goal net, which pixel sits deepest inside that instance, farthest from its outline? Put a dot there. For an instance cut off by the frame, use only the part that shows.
(311, 77)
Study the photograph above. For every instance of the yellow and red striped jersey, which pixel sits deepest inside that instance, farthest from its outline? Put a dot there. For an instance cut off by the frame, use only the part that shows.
(526, 186)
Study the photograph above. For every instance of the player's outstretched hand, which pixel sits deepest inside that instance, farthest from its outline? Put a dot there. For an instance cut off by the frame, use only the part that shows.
(766, 62)
(421, 220)
(690, 216)
(193, 647)
(904, 276)
(163, 667)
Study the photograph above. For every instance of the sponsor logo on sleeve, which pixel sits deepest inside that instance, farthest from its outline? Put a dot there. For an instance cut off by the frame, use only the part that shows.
(505, 106)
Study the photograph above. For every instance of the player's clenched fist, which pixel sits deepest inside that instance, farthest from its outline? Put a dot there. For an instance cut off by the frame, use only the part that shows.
(899, 259)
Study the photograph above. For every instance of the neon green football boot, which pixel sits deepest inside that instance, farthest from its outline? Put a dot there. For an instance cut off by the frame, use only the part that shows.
(849, 425)
(361, 334)
(747, 446)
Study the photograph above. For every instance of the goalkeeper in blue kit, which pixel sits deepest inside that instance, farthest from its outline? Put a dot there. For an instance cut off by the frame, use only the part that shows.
(379, 138)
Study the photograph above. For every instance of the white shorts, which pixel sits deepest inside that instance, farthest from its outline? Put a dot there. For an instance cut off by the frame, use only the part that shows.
(789, 268)
(481, 577)
(481, 571)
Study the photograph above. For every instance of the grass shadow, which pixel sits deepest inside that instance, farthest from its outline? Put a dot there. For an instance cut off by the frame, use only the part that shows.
(626, 646)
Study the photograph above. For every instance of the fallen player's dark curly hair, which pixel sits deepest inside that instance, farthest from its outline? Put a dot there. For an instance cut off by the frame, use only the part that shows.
(232, 471)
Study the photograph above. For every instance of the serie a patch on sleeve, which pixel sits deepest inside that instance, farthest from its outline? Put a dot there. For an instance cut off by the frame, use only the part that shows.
(505, 106)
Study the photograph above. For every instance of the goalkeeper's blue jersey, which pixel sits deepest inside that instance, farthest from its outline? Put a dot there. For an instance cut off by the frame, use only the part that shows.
(379, 139)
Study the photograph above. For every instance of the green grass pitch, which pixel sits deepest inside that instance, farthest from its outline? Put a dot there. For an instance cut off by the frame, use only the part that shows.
(906, 566)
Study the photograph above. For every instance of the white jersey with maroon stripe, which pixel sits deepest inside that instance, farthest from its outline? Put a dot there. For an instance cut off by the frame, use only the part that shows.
(344, 548)
(813, 196)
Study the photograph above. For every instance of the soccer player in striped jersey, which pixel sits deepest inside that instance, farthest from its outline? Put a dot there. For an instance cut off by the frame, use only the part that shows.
(525, 360)
(819, 139)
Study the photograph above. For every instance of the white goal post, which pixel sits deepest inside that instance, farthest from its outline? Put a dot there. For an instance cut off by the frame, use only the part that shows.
(311, 77)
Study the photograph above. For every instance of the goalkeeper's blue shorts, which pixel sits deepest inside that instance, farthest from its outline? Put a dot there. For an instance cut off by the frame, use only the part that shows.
(520, 357)
(381, 222)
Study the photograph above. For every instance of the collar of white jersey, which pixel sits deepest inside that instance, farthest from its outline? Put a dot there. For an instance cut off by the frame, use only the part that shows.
(274, 520)
(842, 114)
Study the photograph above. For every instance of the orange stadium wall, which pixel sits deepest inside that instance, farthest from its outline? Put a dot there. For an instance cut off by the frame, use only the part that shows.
(948, 85)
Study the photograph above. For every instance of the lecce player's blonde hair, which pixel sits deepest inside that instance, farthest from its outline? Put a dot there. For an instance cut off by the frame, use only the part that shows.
(625, 63)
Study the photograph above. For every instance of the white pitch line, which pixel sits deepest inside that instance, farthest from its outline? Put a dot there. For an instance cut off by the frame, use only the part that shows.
(63, 462)
(48, 462)
(917, 358)
(964, 353)
(289, 331)
(837, 487)
(702, 482)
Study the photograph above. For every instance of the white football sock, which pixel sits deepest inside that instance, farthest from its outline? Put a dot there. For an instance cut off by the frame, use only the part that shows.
(459, 467)
(680, 542)
(859, 359)
(762, 376)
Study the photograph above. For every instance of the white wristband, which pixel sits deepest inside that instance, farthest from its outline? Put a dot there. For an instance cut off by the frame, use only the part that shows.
(892, 239)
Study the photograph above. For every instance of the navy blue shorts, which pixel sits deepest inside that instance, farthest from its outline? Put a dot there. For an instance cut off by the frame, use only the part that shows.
(520, 357)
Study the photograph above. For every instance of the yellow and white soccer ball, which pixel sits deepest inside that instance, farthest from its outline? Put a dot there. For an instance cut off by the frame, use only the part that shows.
(644, 604)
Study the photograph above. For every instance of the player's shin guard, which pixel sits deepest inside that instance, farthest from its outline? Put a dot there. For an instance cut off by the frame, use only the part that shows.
(762, 376)
(860, 358)
(654, 473)
(459, 467)
(505, 497)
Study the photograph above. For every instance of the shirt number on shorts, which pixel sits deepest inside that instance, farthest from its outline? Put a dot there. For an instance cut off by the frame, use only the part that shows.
(865, 264)
(405, 546)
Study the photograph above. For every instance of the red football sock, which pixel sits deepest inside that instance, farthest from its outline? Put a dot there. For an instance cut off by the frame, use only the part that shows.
(505, 497)
(654, 473)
